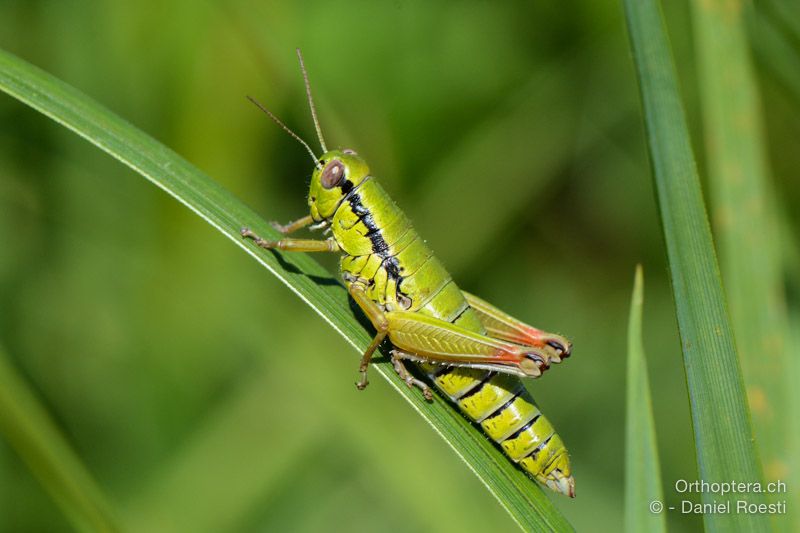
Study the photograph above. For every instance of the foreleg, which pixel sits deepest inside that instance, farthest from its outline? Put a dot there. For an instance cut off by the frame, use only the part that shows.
(293, 226)
(293, 245)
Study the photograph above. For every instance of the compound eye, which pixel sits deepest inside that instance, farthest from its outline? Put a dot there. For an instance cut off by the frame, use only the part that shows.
(332, 174)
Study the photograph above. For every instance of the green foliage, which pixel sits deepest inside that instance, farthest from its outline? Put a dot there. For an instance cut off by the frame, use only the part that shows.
(723, 435)
(642, 471)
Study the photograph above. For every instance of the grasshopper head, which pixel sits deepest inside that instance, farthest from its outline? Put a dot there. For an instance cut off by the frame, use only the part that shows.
(338, 173)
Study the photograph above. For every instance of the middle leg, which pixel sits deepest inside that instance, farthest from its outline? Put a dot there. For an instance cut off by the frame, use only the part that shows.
(405, 375)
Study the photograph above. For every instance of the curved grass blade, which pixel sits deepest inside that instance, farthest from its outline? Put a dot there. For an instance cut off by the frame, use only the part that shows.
(25, 424)
(642, 469)
(520, 496)
(724, 440)
(746, 224)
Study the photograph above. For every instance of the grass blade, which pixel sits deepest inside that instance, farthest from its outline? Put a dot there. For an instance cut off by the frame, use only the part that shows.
(775, 51)
(745, 221)
(642, 469)
(723, 435)
(520, 496)
(25, 424)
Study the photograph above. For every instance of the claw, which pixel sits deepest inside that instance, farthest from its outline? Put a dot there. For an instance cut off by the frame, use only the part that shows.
(247, 233)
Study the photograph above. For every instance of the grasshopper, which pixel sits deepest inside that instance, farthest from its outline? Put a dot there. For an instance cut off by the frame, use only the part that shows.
(471, 351)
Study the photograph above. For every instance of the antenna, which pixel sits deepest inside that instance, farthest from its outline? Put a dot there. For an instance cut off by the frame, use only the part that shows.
(285, 127)
(311, 101)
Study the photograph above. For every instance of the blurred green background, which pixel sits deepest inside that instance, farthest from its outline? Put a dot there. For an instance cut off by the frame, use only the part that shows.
(200, 392)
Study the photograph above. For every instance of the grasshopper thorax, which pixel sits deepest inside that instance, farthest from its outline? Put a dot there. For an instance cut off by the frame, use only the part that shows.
(338, 173)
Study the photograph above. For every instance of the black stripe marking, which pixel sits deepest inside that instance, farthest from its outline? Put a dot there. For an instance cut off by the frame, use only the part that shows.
(460, 313)
(357, 207)
(392, 267)
(477, 388)
(346, 186)
(518, 432)
(538, 448)
(379, 244)
(503, 407)
(443, 371)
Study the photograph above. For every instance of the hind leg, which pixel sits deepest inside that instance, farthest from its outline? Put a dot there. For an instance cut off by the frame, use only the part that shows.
(501, 325)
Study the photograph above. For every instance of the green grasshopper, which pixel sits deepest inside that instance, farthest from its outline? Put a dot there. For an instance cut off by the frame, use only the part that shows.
(473, 352)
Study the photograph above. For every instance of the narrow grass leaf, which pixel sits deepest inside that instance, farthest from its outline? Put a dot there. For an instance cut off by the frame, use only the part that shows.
(724, 441)
(520, 496)
(775, 52)
(745, 222)
(642, 469)
(27, 427)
